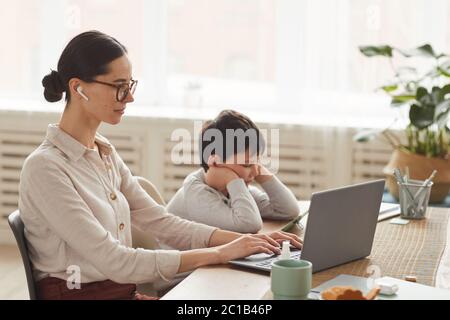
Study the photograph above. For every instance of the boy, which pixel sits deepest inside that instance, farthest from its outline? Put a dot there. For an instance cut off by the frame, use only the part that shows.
(219, 194)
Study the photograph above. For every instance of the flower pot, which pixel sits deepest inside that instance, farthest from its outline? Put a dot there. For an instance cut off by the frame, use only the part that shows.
(420, 168)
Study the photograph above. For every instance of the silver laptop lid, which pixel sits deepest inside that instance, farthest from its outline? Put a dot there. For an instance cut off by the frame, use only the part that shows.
(341, 224)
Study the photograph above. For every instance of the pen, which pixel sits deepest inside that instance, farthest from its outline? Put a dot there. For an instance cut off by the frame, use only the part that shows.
(407, 175)
(399, 178)
(425, 184)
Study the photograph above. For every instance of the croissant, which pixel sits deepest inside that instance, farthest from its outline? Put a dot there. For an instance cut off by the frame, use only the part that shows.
(348, 293)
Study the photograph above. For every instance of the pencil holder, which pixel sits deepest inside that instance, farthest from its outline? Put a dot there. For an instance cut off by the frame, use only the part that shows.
(414, 197)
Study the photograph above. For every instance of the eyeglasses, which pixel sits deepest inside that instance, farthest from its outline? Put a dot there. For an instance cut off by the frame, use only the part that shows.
(123, 89)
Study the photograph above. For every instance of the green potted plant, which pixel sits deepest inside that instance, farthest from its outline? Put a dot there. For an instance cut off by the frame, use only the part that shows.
(426, 97)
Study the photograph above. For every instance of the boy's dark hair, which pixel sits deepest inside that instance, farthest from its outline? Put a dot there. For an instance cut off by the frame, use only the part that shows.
(85, 57)
(240, 129)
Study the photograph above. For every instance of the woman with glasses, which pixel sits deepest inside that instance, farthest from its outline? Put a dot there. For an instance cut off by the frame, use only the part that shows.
(78, 199)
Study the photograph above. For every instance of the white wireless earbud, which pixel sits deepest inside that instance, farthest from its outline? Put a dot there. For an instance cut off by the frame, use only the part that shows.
(80, 91)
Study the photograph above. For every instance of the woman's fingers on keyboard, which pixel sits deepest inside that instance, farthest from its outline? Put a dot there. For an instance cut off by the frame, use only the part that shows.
(268, 239)
(292, 236)
(281, 236)
(268, 246)
(263, 249)
(296, 243)
(292, 243)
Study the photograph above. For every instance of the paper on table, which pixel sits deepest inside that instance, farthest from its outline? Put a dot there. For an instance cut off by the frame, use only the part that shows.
(399, 221)
(388, 210)
(407, 290)
(386, 206)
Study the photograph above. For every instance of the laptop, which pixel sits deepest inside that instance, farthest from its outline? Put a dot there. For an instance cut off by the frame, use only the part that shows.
(340, 228)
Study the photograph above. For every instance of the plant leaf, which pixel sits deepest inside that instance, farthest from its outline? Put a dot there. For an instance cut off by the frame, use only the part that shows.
(399, 100)
(444, 91)
(436, 95)
(406, 70)
(373, 51)
(443, 72)
(441, 113)
(421, 93)
(366, 135)
(433, 73)
(421, 117)
(423, 51)
(443, 69)
(411, 86)
(389, 88)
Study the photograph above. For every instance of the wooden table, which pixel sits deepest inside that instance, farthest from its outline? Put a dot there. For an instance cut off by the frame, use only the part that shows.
(226, 282)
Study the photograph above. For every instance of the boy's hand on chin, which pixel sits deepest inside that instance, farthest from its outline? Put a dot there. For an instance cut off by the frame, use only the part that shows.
(263, 174)
(219, 176)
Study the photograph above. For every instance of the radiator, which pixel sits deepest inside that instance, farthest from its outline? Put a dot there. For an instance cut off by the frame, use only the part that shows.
(310, 158)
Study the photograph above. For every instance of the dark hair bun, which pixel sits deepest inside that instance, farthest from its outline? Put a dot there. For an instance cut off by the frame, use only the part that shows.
(54, 87)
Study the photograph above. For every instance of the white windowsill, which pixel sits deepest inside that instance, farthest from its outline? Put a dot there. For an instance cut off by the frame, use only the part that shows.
(316, 116)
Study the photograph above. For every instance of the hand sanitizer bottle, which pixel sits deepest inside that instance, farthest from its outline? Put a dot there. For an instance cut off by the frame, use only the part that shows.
(285, 251)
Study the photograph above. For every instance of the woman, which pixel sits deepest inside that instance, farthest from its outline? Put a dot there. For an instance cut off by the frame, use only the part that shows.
(78, 199)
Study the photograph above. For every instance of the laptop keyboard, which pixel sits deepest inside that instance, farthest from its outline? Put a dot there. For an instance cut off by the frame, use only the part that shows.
(268, 262)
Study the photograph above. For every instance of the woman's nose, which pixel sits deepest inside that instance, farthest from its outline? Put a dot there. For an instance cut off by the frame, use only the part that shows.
(129, 98)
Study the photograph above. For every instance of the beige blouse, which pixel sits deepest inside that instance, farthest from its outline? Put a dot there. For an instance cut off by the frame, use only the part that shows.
(78, 208)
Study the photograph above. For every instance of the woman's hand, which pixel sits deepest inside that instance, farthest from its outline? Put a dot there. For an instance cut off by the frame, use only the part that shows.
(247, 245)
(226, 245)
(279, 236)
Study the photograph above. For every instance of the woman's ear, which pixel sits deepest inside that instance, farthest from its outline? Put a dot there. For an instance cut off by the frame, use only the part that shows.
(74, 84)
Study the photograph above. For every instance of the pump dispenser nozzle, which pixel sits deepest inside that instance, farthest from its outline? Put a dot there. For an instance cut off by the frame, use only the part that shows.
(285, 251)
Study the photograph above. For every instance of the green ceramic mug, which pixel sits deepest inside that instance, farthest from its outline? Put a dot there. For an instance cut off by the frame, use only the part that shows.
(291, 279)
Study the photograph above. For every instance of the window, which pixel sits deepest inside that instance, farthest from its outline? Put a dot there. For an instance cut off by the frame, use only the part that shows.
(34, 33)
(221, 51)
(300, 56)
